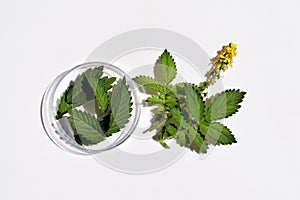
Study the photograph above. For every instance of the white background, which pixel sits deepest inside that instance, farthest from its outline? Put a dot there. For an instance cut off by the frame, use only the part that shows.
(40, 39)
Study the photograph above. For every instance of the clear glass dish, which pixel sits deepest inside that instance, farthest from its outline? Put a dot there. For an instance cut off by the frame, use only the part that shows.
(59, 131)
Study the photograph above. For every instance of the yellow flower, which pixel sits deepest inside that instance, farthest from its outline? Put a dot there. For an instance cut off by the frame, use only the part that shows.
(225, 57)
(222, 61)
(218, 68)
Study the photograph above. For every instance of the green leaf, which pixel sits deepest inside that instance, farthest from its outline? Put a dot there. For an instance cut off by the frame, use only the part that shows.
(93, 76)
(217, 133)
(171, 101)
(201, 103)
(86, 126)
(176, 115)
(198, 144)
(102, 98)
(78, 139)
(106, 82)
(65, 102)
(181, 138)
(101, 93)
(150, 83)
(78, 95)
(193, 103)
(171, 130)
(165, 66)
(190, 96)
(69, 92)
(157, 125)
(155, 100)
(180, 88)
(164, 144)
(120, 107)
(194, 100)
(225, 104)
(63, 108)
(191, 139)
(85, 86)
(159, 137)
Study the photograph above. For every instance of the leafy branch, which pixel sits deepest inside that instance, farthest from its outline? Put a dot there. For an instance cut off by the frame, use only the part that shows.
(184, 112)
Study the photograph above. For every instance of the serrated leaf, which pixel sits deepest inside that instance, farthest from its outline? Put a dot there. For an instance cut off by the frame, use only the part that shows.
(198, 144)
(120, 107)
(165, 66)
(176, 115)
(217, 133)
(78, 139)
(191, 139)
(101, 93)
(150, 83)
(225, 104)
(193, 103)
(171, 101)
(86, 126)
(159, 137)
(93, 76)
(169, 73)
(78, 95)
(107, 82)
(62, 108)
(102, 98)
(181, 138)
(180, 87)
(69, 93)
(157, 125)
(201, 103)
(164, 144)
(171, 130)
(85, 86)
(194, 99)
(65, 102)
(155, 100)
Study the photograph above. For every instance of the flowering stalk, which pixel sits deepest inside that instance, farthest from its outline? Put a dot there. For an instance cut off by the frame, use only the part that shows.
(221, 62)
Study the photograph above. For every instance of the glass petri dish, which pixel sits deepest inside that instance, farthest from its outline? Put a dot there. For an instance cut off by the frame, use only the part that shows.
(60, 131)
